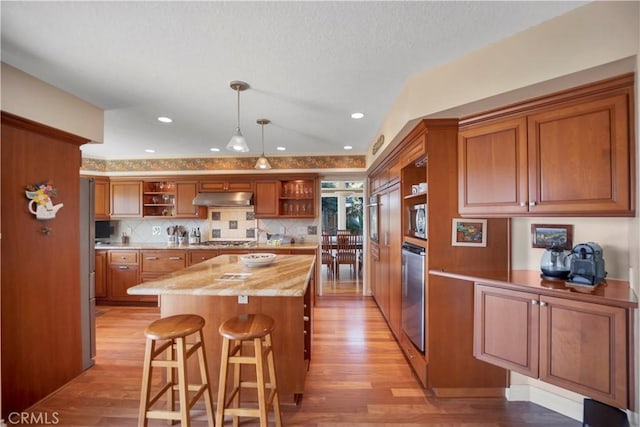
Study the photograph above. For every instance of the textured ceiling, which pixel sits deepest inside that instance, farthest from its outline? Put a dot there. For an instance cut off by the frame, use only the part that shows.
(309, 64)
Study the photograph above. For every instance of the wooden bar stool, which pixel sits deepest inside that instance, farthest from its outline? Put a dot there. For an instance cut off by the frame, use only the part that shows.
(174, 330)
(240, 329)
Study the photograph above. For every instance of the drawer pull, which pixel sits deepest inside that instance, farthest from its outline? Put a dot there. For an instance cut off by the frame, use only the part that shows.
(152, 257)
(175, 258)
(123, 267)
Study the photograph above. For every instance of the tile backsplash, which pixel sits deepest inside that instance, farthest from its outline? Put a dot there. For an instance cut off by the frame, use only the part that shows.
(221, 223)
(232, 223)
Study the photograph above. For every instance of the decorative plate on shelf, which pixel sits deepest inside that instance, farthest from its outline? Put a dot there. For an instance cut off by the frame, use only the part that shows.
(257, 259)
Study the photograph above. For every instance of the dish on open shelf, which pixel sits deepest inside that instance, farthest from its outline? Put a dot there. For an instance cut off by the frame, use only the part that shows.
(257, 259)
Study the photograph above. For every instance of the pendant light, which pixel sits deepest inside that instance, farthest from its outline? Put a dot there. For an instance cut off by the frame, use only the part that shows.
(262, 162)
(237, 143)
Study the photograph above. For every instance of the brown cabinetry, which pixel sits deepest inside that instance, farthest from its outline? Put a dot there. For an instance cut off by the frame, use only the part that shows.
(171, 199)
(429, 155)
(297, 198)
(223, 185)
(157, 263)
(198, 255)
(266, 199)
(101, 198)
(576, 345)
(386, 284)
(286, 198)
(101, 274)
(185, 193)
(123, 272)
(386, 175)
(126, 199)
(158, 198)
(570, 153)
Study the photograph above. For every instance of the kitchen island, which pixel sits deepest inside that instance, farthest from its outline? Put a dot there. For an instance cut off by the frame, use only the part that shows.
(223, 287)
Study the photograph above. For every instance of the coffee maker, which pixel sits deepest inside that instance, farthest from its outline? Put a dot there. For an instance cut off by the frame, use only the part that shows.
(587, 264)
(555, 263)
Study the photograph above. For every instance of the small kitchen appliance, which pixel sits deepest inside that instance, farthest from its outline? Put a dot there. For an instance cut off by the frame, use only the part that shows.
(555, 263)
(587, 264)
(418, 221)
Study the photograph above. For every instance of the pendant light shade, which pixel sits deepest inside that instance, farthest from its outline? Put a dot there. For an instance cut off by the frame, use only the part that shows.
(263, 162)
(237, 143)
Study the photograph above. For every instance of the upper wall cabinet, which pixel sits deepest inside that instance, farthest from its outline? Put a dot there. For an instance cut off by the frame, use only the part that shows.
(567, 154)
(101, 200)
(223, 185)
(126, 199)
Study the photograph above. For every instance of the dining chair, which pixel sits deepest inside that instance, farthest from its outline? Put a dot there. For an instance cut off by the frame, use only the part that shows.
(346, 252)
(326, 251)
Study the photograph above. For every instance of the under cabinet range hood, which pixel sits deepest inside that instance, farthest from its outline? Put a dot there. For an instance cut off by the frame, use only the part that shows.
(238, 198)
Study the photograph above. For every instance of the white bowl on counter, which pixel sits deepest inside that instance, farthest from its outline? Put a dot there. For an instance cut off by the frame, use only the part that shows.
(257, 259)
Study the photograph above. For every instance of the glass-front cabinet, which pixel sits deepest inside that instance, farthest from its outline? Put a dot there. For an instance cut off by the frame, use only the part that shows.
(297, 198)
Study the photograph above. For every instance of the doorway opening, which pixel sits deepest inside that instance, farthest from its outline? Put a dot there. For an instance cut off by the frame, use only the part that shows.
(342, 214)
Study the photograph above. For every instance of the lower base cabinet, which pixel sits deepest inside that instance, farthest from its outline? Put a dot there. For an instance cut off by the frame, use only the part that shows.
(577, 345)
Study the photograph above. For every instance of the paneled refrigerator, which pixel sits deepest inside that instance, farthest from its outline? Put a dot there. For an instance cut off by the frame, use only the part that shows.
(87, 272)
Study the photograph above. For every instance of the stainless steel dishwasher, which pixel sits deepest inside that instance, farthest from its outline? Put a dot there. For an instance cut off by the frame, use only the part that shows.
(413, 269)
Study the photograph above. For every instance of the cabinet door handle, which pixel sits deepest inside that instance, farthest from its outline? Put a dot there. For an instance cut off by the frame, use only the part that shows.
(543, 304)
(123, 267)
(523, 204)
(534, 302)
(152, 257)
(175, 258)
(532, 203)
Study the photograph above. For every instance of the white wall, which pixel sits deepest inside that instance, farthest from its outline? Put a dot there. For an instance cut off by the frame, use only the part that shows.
(611, 233)
(28, 97)
(590, 36)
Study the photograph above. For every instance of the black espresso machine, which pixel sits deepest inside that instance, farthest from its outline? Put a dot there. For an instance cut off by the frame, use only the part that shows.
(587, 264)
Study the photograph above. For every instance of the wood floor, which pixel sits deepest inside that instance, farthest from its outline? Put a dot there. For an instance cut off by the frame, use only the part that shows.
(346, 284)
(357, 377)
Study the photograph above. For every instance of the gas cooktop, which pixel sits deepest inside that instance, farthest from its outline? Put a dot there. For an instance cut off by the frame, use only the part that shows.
(234, 243)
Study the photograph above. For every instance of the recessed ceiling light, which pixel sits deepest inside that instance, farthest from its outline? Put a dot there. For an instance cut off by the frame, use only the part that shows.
(348, 147)
(214, 149)
(281, 148)
(150, 150)
(164, 119)
(357, 115)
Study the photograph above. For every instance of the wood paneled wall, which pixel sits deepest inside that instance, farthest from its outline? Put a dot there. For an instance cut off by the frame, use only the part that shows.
(40, 290)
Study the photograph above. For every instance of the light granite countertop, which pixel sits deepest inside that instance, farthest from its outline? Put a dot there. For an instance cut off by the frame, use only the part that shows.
(287, 276)
(262, 247)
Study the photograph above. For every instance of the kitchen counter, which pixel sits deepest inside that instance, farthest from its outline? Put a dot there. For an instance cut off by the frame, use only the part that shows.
(287, 276)
(611, 291)
(283, 290)
(262, 247)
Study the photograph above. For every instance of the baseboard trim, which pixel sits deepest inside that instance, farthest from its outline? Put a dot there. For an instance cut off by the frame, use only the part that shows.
(547, 399)
(445, 392)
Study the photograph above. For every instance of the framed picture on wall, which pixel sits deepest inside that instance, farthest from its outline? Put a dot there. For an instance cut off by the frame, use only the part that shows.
(469, 232)
(550, 235)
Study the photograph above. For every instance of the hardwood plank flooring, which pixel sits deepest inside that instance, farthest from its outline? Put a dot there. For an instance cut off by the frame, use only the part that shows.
(347, 284)
(357, 377)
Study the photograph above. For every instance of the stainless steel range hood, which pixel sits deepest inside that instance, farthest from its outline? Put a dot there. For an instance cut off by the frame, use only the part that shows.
(239, 198)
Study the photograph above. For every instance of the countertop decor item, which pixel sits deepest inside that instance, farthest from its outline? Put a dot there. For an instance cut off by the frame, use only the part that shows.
(40, 203)
(257, 259)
